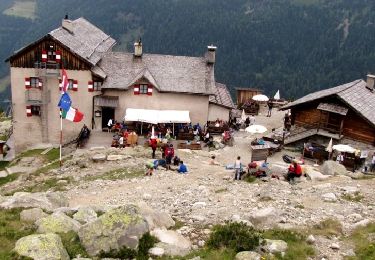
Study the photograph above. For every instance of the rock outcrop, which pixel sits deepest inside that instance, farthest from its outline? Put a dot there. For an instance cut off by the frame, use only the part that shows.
(172, 242)
(42, 247)
(115, 229)
(57, 223)
(44, 200)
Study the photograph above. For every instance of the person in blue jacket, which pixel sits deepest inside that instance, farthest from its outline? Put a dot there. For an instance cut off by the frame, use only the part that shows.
(182, 168)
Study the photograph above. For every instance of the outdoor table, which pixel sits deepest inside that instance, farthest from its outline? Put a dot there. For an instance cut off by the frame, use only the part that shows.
(191, 146)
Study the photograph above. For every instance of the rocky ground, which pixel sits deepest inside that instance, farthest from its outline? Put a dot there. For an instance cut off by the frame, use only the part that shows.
(106, 178)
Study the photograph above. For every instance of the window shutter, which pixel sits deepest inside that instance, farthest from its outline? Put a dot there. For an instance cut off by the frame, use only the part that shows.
(149, 90)
(58, 56)
(28, 111)
(27, 83)
(40, 86)
(90, 86)
(44, 56)
(60, 85)
(75, 85)
(136, 89)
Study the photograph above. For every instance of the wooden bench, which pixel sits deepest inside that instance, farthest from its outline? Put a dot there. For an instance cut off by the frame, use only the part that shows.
(191, 146)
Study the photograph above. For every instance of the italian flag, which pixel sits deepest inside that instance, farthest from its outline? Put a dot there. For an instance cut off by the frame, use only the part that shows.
(72, 115)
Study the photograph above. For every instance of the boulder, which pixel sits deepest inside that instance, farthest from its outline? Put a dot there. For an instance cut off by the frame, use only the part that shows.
(333, 168)
(115, 157)
(154, 218)
(45, 200)
(85, 215)
(32, 215)
(314, 175)
(335, 246)
(274, 246)
(97, 148)
(99, 157)
(115, 229)
(3, 174)
(265, 216)
(172, 242)
(42, 247)
(247, 255)
(349, 190)
(311, 239)
(57, 223)
(156, 251)
(329, 197)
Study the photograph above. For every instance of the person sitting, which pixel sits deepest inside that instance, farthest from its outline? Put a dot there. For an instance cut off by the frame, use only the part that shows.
(121, 143)
(160, 162)
(213, 161)
(294, 170)
(182, 168)
(176, 161)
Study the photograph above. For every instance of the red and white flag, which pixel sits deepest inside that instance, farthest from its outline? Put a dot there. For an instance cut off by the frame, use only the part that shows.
(64, 82)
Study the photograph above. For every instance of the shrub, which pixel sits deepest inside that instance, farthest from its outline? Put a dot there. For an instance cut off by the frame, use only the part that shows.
(234, 235)
(72, 244)
(362, 238)
(328, 227)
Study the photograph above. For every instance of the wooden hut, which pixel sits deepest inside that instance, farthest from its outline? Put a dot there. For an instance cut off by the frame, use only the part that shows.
(246, 94)
(345, 111)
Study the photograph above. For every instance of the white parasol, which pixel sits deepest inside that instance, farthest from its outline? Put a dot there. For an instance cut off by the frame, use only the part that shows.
(343, 148)
(153, 132)
(329, 147)
(260, 97)
(243, 115)
(277, 95)
(256, 129)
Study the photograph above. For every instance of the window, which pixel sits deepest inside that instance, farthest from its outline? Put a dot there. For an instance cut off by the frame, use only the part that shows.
(71, 83)
(35, 110)
(51, 54)
(143, 89)
(97, 85)
(34, 82)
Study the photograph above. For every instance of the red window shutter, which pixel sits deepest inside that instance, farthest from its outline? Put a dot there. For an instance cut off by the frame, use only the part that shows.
(75, 85)
(60, 85)
(44, 56)
(58, 56)
(136, 89)
(27, 83)
(90, 86)
(40, 86)
(28, 111)
(149, 90)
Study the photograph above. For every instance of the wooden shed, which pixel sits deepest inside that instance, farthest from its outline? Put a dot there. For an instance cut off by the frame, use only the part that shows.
(246, 94)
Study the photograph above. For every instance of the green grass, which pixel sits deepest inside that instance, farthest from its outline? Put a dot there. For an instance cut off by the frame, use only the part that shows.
(3, 165)
(49, 184)
(22, 8)
(72, 244)
(250, 179)
(297, 246)
(9, 178)
(363, 240)
(12, 229)
(356, 197)
(177, 224)
(118, 174)
(328, 228)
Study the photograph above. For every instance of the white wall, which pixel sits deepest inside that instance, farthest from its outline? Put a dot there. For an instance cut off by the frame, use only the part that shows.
(215, 112)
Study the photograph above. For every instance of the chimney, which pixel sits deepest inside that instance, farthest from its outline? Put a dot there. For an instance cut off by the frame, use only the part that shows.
(138, 48)
(370, 82)
(67, 24)
(211, 53)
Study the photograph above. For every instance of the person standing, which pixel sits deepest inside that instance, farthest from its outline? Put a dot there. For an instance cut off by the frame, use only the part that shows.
(153, 144)
(109, 124)
(270, 106)
(247, 121)
(237, 168)
(340, 158)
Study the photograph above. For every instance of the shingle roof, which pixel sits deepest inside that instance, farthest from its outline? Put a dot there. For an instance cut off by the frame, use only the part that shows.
(361, 99)
(355, 94)
(86, 40)
(167, 73)
(222, 96)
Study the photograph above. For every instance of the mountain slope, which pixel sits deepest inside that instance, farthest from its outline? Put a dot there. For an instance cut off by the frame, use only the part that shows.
(297, 46)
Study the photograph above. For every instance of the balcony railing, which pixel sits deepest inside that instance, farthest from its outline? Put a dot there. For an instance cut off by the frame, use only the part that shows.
(47, 68)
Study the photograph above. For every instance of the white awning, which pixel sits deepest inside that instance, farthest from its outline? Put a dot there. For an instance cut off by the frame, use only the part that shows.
(157, 116)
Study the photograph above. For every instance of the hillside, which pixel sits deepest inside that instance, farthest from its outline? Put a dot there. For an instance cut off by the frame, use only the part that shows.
(297, 46)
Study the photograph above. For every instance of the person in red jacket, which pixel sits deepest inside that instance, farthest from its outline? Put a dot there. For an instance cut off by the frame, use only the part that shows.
(294, 170)
(153, 144)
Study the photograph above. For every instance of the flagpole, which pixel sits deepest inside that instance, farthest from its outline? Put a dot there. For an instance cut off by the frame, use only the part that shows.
(61, 136)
